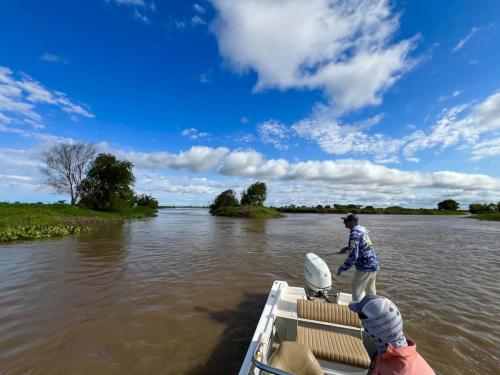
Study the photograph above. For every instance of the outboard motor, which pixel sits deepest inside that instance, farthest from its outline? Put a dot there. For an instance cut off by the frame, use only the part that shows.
(317, 277)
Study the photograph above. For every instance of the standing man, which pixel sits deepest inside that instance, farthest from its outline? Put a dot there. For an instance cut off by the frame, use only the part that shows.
(362, 255)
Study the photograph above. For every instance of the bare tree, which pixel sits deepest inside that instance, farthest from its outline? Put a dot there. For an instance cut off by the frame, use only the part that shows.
(66, 165)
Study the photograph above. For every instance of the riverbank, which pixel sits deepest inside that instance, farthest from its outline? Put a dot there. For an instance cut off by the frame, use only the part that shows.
(487, 216)
(255, 212)
(32, 221)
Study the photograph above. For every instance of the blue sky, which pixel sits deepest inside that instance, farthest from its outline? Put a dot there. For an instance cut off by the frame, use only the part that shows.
(368, 102)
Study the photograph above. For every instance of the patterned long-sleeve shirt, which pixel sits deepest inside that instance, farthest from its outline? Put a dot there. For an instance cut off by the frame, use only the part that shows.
(361, 252)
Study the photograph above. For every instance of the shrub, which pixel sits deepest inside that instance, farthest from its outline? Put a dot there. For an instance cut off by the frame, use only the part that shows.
(145, 200)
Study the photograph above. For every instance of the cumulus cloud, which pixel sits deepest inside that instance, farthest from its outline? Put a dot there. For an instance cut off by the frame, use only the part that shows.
(355, 172)
(196, 159)
(274, 133)
(307, 182)
(344, 48)
(19, 98)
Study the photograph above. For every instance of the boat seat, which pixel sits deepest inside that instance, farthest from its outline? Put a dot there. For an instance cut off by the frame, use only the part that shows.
(334, 346)
(295, 358)
(327, 312)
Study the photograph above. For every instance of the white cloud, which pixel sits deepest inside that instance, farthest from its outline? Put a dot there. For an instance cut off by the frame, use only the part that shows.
(19, 98)
(130, 2)
(338, 139)
(198, 8)
(486, 149)
(197, 20)
(352, 172)
(463, 41)
(458, 124)
(193, 133)
(343, 48)
(274, 133)
(206, 78)
(49, 57)
(454, 94)
(140, 16)
(196, 159)
(308, 182)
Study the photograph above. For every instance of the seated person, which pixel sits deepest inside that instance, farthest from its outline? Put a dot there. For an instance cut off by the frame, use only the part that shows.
(397, 354)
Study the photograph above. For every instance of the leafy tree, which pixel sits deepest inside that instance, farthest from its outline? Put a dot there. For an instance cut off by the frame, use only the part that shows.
(107, 186)
(256, 194)
(475, 208)
(65, 167)
(225, 199)
(448, 205)
(145, 200)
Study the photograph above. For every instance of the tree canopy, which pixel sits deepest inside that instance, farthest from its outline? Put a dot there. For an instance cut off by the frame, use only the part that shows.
(145, 200)
(65, 167)
(448, 205)
(107, 186)
(225, 199)
(256, 194)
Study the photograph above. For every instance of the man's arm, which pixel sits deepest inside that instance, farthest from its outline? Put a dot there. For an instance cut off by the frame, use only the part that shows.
(353, 253)
(343, 250)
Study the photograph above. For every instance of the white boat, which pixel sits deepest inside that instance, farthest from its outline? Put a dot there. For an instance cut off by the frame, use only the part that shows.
(303, 330)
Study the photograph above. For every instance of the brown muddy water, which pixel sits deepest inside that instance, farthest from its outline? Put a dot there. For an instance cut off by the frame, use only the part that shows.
(181, 293)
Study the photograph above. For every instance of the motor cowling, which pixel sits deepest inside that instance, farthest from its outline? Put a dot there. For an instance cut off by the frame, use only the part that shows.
(317, 276)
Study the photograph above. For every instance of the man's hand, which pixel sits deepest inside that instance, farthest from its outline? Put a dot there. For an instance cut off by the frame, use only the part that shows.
(339, 272)
(343, 250)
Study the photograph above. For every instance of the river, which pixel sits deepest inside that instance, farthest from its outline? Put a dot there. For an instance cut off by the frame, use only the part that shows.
(181, 293)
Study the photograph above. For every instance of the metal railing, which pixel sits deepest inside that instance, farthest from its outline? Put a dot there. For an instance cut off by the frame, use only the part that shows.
(261, 365)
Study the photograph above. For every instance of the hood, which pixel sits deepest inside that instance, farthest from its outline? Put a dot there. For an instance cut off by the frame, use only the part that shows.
(360, 228)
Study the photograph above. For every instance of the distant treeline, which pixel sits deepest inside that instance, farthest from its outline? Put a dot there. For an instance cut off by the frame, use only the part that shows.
(182, 206)
(359, 209)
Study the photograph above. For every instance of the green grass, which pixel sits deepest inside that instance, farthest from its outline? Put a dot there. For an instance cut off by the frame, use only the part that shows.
(255, 212)
(25, 221)
(490, 216)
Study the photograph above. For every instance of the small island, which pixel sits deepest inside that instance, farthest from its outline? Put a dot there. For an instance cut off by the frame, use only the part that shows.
(251, 204)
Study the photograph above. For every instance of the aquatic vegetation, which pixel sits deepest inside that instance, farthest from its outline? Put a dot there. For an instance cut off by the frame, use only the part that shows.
(40, 231)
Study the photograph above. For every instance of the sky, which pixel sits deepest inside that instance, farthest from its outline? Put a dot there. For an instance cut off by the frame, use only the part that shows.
(369, 102)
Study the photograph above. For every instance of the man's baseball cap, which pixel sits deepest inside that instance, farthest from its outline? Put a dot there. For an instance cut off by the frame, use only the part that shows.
(382, 320)
(372, 306)
(351, 217)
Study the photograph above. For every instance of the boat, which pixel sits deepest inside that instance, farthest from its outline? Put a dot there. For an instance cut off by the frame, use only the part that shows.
(309, 330)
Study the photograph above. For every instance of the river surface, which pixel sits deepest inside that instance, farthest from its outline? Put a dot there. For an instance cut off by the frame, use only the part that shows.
(182, 293)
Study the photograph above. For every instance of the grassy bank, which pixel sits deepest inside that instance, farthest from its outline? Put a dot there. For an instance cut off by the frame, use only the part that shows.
(25, 221)
(489, 216)
(256, 212)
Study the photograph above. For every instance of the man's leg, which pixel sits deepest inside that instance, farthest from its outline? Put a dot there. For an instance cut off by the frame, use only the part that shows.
(370, 286)
(359, 284)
